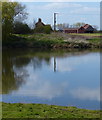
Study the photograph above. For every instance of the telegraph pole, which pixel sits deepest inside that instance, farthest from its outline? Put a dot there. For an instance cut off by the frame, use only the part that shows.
(55, 21)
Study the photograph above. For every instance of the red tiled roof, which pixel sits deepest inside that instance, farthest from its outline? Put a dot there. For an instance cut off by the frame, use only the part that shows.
(86, 26)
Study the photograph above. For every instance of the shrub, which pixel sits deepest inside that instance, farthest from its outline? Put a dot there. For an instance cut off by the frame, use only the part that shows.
(43, 29)
(39, 29)
(47, 29)
(21, 28)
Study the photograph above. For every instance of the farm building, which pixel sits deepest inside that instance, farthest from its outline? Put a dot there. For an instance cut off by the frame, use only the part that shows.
(40, 27)
(83, 29)
(39, 23)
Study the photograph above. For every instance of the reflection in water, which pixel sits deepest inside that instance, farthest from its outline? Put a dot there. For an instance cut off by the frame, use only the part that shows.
(54, 64)
(53, 77)
(86, 94)
(10, 79)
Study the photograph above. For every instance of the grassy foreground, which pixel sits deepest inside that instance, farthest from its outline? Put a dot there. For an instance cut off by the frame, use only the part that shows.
(18, 110)
(54, 40)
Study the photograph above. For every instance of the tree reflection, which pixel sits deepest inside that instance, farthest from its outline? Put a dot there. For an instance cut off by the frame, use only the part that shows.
(14, 63)
(13, 68)
(20, 61)
(10, 79)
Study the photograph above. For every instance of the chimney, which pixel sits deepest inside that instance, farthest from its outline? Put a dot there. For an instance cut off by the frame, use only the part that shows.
(39, 20)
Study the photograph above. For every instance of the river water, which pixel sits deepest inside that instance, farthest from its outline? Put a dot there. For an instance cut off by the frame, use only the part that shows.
(58, 77)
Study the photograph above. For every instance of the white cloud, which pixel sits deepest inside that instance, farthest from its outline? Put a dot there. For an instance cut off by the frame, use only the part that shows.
(37, 86)
(53, 6)
(61, 5)
(86, 94)
(46, 91)
(87, 10)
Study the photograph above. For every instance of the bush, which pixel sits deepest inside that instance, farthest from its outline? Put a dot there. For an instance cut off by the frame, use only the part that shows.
(39, 29)
(43, 29)
(47, 29)
(21, 28)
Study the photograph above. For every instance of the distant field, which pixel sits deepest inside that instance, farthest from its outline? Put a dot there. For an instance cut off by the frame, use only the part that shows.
(87, 34)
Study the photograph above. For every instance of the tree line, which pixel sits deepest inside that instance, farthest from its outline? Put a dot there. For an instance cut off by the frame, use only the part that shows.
(14, 15)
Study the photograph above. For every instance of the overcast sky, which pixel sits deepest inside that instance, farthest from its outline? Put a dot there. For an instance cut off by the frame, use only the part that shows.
(69, 12)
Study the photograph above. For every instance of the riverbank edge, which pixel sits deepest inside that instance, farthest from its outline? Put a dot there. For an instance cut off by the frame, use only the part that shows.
(54, 43)
(23, 110)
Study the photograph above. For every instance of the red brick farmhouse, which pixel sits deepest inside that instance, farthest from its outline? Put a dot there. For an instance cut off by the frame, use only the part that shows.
(83, 29)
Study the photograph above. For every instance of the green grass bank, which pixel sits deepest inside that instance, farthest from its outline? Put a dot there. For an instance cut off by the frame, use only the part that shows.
(54, 40)
(19, 110)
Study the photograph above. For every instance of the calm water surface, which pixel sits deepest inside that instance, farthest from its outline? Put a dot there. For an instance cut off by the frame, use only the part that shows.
(52, 77)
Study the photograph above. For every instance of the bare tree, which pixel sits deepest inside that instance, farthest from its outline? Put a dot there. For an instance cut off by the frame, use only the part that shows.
(32, 25)
(78, 24)
(62, 26)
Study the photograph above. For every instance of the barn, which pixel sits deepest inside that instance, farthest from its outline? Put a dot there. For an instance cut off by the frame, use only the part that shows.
(88, 28)
(83, 29)
(71, 30)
